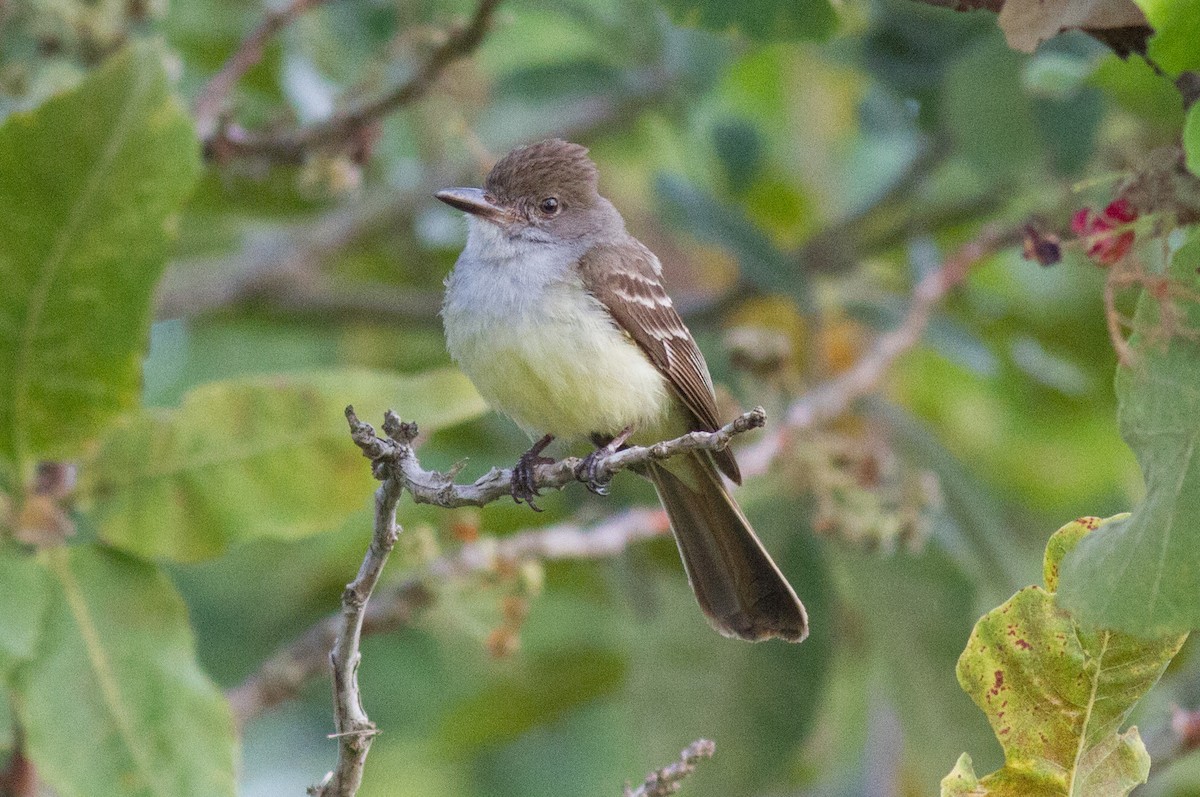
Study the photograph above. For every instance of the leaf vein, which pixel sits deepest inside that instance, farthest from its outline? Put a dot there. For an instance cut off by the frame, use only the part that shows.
(106, 679)
(40, 295)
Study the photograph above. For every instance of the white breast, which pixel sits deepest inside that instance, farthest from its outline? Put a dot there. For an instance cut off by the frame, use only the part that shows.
(539, 348)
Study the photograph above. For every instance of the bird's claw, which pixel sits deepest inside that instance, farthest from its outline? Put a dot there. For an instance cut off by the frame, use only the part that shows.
(591, 470)
(524, 480)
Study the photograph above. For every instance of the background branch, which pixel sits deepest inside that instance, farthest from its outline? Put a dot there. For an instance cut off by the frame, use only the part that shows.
(826, 402)
(211, 102)
(666, 781)
(344, 129)
(283, 270)
(283, 675)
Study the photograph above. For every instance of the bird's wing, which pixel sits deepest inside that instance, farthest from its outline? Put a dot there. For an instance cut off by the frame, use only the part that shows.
(625, 278)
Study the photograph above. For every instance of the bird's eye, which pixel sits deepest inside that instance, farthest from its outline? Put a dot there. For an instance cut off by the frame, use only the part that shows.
(549, 206)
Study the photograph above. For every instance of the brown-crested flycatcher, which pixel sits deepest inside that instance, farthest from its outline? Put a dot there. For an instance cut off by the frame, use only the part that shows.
(559, 317)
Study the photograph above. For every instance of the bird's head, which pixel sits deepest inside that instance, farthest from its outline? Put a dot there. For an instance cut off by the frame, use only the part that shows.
(541, 192)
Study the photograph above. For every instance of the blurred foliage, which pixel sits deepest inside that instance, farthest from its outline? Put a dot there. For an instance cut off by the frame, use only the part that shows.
(166, 484)
(796, 168)
(763, 20)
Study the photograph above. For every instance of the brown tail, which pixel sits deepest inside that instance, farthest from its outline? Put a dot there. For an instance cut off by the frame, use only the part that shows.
(737, 585)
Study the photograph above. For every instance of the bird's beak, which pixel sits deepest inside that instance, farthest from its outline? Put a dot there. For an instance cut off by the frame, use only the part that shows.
(473, 201)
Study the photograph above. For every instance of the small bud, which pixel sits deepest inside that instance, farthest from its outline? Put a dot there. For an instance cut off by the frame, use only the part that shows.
(464, 524)
(502, 642)
(1044, 248)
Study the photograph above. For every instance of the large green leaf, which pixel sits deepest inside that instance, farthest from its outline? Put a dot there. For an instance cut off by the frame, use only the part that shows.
(1056, 694)
(1142, 573)
(114, 703)
(88, 182)
(250, 458)
(1175, 45)
(22, 607)
(763, 20)
(1191, 139)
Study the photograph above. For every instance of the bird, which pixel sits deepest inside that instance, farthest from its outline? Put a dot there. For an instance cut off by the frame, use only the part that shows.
(560, 319)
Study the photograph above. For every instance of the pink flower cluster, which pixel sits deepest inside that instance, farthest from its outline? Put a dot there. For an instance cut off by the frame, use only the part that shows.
(1098, 231)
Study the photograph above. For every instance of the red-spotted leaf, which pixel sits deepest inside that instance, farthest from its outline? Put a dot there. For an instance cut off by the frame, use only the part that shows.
(1056, 694)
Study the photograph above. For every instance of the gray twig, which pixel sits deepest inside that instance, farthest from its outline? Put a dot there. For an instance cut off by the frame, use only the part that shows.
(394, 463)
(666, 781)
(429, 487)
(354, 730)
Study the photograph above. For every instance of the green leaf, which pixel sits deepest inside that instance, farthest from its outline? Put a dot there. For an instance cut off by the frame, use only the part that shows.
(762, 20)
(252, 458)
(114, 702)
(1142, 573)
(1132, 84)
(1176, 26)
(22, 607)
(88, 182)
(1056, 693)
(962, 782)
(989, 115)
(1191, 139)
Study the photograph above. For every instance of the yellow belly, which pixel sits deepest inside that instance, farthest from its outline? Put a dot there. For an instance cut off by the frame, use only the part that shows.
(564, 370)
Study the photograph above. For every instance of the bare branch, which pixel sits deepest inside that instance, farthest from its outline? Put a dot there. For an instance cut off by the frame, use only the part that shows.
(394, 462)
(282, 270)
(211, 102)
(826, 402)
(283, 675)
(346, 127)
(665, 781)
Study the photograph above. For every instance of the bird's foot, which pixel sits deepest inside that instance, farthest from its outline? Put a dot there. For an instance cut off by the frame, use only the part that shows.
(591, 470)
(524, 479)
